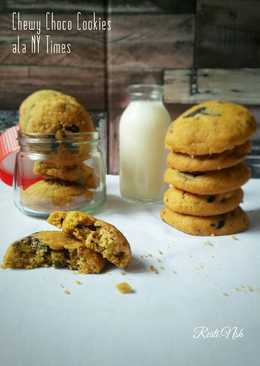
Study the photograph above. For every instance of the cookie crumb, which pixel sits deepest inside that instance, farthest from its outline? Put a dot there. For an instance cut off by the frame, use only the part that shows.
(153, 269)
(234, 237)
(208, 243)
(159, 260)
(125, 288)
(162, 268)
(61, 285)
(67, 292)
(175, 272)
(123, 273)
(225, 294)
(160, 252)
(78, 282)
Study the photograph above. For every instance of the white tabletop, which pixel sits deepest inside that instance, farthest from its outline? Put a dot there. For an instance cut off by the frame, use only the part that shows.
(211, 282)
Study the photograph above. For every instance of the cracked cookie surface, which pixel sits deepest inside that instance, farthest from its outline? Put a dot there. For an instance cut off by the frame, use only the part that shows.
(96, 234)
(52, 249)
(209, 128)
(232, 222)
(56, 115)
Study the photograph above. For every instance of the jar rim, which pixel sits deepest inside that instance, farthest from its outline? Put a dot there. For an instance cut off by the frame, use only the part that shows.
(90, 137)
(138, 89)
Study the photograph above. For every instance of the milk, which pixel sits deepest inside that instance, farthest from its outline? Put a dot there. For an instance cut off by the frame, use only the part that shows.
(142, 130)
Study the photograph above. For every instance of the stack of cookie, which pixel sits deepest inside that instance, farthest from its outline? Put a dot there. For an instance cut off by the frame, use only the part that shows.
(206, 169)
(64, 179)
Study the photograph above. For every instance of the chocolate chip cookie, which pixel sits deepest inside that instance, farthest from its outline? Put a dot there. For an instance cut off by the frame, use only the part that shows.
(201, 205)
(82, 173)
(204, 163)
(51, 194)
(52, 249)
(214, 182)
(97, 235)
(229, 223)
(56, 116)
(209, 128)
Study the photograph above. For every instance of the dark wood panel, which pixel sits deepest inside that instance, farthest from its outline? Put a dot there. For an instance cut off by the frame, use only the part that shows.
(155, 6)
(228, 34)
(61, 5)
(87, 84)
(120, 79)
(142, 42)
(2, 5)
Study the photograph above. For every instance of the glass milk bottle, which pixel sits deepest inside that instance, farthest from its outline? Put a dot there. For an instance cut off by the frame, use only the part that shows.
(143, 126)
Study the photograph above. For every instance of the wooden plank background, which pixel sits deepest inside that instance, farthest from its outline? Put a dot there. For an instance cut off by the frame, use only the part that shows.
(147, 39)
(212, 84)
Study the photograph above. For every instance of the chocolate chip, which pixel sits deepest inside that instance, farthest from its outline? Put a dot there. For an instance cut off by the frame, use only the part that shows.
(195, 174)
(80, 226)
(195, 112)
(92, 227)
(201, 110)
(211, 199)
(119, 255)
(219, 224)
(72, 128)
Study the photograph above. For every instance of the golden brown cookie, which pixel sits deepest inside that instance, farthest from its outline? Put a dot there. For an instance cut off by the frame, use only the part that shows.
(204, 163)
(37, 96)
(209, 128)
(214, 182)
(82, 173)
(201, 205)
(229, 223)
(47, 195)
(97, 235)
(52, 248)
(56, 116)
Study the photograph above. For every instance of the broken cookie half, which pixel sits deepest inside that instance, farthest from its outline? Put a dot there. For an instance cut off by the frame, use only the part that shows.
(95, 234)
(52, 249)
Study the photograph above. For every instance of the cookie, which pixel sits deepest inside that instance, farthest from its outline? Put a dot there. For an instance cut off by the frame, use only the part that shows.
(204, 163)
(214, 182)
(56, 116)
(47, 195)
(198, 205)
(52, 249)
(232, 222)
(35, 97)
(82, 173)
(209, 128)
(97, 235)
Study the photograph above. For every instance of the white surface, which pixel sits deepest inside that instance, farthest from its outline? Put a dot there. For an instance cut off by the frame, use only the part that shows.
(96, 325)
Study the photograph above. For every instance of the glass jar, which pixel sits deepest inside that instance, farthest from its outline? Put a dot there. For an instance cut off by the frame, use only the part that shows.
(59, 174)
(142, 130)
